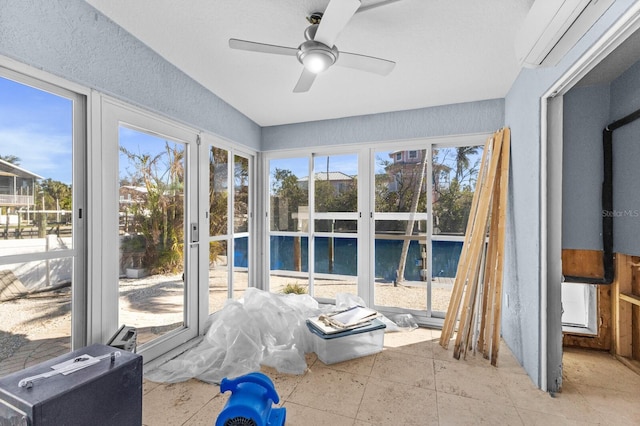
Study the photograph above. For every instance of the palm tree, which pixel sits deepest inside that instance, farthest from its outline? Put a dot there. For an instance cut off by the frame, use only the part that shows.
(462, 159)
(11, 159)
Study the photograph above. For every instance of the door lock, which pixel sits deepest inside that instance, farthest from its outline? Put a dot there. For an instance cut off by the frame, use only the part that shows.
(194, 233)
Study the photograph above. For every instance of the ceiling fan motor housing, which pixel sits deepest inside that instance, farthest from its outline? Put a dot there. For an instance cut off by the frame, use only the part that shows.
(318, 52)
(316, 56)
(311, 52)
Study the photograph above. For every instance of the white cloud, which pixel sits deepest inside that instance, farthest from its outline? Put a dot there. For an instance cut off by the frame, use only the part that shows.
(44, 152)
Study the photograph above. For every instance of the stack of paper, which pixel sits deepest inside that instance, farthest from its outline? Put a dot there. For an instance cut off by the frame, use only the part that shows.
(349, 319)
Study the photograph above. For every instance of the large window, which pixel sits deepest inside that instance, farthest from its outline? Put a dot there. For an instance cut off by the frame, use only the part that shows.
(42, 285)
(289, 225)
(400, 229)
(230, 220)
(335, 220)
(314, 250)
(398, 247)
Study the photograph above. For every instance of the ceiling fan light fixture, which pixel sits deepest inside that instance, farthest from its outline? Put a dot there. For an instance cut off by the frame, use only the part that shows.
(316, 57)
(316, 62)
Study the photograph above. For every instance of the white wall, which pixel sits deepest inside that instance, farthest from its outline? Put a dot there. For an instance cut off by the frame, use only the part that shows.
(39, 274)
(522, 321)
(457, 119)
(586, 113)
(625, 99)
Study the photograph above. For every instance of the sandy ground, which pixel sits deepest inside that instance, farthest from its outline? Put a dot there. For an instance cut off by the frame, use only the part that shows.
(154, 305)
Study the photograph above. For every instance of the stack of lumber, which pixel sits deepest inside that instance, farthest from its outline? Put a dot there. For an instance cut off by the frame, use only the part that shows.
(477, 289)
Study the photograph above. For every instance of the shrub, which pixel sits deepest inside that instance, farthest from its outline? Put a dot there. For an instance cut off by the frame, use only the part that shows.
(295, 289)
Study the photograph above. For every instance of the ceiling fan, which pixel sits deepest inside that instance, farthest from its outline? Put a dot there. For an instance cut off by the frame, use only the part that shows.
(318, 52)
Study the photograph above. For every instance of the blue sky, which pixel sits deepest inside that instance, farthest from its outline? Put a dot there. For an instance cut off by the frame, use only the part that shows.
(35, 126)
(140, 143)
(347, 164)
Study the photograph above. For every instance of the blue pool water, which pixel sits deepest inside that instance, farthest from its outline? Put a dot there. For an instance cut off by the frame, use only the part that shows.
(445, 255)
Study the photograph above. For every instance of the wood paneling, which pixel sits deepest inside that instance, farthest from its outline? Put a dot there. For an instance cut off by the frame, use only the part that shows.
(588, 263)
(626, 312)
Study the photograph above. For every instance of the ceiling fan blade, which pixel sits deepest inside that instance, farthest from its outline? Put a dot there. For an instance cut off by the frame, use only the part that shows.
(365, 63)
(376, 5)
(334, 19)
(305, 81)
(252, 46)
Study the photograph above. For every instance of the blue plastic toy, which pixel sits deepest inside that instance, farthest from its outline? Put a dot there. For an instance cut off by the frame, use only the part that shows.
(250, 403)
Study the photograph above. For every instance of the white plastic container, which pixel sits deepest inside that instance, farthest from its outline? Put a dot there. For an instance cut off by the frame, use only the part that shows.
(334, 348)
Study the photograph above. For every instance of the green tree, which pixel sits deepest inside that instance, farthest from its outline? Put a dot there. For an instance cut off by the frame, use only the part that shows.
(452, 201)
(451, 211)
(218, 191)
(289, 194)
(56, 194)
(397, 188)
(11, 159)
(241, 194)
(160, 217)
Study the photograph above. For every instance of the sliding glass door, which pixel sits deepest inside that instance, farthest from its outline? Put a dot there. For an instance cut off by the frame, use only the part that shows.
(335, 225)
(398, 247)
(400, 228)
(314, 250)
(423, 196)
(288, 225)
(42, 229)
(150, 229)
(229, 219)
(151, 232)
(455, 171)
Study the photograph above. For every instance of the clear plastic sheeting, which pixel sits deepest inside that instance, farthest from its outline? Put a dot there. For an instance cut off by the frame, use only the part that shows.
(405, 322)
(261, 329)
(348, 300)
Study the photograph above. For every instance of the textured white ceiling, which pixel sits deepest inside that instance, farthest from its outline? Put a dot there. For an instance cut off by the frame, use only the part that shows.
(446, 52)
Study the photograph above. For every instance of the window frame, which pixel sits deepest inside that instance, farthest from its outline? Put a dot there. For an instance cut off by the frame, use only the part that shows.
(80, 98)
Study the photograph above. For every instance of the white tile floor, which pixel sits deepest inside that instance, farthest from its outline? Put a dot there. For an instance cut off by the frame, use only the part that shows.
(414, 381)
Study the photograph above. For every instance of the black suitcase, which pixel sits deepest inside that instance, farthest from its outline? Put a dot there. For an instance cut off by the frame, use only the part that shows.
(107, 391)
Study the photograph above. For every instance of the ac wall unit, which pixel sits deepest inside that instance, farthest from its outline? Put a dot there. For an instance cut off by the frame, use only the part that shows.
(553, 27)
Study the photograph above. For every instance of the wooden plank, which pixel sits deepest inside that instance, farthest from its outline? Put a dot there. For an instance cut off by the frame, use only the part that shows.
(486, 325)
(634, 300)
(475, 245)
(478, 239)
(491, 266)
(478, 277)
(461, 273)
(487, 290)
(582, 263)
(635, 333)
(635, 310)
(459, 282)
(588, 263)
(504, 186)
(623, 344)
